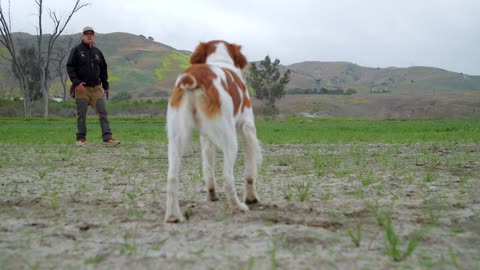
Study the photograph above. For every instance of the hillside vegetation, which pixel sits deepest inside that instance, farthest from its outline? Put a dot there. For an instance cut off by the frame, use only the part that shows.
(146, 68)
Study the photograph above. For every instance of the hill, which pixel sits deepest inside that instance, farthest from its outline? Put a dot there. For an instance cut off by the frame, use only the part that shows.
(146, 68)
(136, 64)
(365, 79)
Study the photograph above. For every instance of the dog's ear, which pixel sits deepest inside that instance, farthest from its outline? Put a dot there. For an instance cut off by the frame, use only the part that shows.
(239, 59)
(199, 56)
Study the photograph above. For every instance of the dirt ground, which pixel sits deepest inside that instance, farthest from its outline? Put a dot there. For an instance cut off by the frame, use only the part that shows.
(63, 207)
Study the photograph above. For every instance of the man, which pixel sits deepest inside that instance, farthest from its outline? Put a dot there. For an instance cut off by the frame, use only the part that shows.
(87, 69)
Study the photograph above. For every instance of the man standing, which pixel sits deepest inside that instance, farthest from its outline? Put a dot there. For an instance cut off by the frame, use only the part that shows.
(87, 69)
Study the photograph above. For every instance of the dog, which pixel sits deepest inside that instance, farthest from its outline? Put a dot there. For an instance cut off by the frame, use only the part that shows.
(211, 96)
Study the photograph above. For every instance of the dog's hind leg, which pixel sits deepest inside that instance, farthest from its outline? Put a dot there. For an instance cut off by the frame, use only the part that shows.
(179, 136)
(226, 139)
(208, 160)
(173, 213)
(253, 158)
(229, 156)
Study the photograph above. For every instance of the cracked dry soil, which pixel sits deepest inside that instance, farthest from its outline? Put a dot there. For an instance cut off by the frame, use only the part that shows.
(63, 207)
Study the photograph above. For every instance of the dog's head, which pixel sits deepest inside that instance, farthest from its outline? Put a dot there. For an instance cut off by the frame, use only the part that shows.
(219, 52)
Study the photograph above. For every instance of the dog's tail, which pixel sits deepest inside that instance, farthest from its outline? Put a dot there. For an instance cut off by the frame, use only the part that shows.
(186, 82)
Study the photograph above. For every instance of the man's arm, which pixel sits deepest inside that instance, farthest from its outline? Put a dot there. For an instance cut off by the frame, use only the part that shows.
(72, 73)
(104, 73)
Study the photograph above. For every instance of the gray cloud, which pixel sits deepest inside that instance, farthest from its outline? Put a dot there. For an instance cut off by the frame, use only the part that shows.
(374, 33)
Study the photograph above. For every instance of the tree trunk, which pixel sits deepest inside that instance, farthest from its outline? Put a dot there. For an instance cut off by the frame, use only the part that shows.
(43, 85)
(63, 80)
(26, 98)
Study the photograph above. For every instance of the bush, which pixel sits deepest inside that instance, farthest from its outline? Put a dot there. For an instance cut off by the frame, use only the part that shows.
(122, 96)
(323, 91)
(14, 108)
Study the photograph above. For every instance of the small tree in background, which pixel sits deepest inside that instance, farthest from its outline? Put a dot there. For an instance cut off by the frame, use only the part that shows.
(268, 83)
(27, 60)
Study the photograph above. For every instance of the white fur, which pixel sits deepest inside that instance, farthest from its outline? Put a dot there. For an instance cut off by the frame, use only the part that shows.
(220, 131)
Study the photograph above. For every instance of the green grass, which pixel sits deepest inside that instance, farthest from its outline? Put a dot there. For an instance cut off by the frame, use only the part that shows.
(291, 131)
(303, 131)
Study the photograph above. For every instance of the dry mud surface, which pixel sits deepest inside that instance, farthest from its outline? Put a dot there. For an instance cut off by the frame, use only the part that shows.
(63, 207)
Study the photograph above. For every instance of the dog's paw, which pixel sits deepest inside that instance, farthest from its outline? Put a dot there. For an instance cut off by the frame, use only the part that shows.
(253, 200)
(212, 196)
(174, 219)
(240, 207)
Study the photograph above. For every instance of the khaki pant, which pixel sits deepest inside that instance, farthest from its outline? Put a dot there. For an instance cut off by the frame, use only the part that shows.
(93, 97)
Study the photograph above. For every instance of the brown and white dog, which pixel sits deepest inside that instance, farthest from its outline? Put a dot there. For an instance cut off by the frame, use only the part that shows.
(211, 96)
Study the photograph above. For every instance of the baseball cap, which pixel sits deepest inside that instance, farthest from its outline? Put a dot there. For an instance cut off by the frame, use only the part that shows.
(88, 29)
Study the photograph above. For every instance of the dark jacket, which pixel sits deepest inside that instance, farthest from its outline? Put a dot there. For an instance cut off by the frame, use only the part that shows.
(87, 65)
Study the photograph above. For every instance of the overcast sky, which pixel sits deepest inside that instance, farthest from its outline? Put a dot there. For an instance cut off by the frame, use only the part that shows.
(372, 33)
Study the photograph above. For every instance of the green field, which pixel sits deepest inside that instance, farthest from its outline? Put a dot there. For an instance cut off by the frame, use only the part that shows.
(291, 131)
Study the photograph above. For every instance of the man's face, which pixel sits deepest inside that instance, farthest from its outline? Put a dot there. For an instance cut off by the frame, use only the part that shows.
(88, 37)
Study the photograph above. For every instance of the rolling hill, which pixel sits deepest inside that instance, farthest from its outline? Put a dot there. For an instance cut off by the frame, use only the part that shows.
(146, 68)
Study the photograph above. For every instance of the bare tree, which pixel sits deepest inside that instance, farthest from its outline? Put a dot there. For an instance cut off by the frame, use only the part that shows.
(7, 41)
(61, 52)
(59, 24)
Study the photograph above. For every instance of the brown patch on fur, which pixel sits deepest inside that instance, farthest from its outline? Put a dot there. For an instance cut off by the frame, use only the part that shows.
(201, 53)
(232, 89)
(239, 59)
(186, 81)
(176, 97)
(204, 49)
(204, 76)
(235, 87)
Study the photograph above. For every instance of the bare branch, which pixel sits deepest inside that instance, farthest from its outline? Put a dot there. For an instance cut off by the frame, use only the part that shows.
(59, 24)
(7, 41)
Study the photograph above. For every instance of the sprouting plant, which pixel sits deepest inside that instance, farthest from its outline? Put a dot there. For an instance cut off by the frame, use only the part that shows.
(127, 247)
(319, 164)
(174, 232)
(433, 216)
(131, 195)
(32, 266)
(367, 178)
(429, 177)
(251, 262)
(326, 196)
(321, 173)
(55, 203)
(273, 259)
(395, 165)
(109, 170)
(287, 191)
(95, 259)
(135, 213)
(392, 240)
(410, 177)
(124, 171)
(463, 179)
(15, 191)
(42, 174)
(303, 191)
(198, 252)
(453, 257)
(356, 235)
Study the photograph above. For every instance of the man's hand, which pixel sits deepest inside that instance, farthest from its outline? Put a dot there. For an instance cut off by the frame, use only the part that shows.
(106, 92)
(80, 87)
